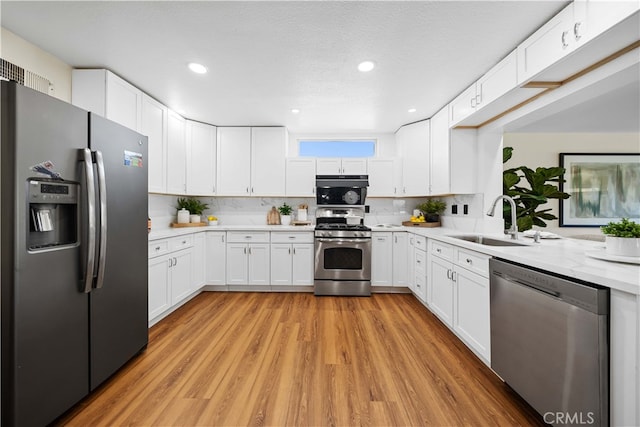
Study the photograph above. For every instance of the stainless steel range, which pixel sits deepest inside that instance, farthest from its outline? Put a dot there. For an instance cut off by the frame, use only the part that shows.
(342, 252)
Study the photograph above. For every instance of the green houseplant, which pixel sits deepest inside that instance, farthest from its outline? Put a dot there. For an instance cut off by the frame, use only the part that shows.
(622, 238)
(542, 186)
(432, 209)
(194, 206)
(285, 212)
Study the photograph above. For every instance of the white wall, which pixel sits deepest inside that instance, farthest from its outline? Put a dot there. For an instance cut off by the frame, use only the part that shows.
(543, 150)
(30, 57)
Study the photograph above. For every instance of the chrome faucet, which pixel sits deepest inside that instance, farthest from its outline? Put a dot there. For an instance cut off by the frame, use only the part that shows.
(513, 231)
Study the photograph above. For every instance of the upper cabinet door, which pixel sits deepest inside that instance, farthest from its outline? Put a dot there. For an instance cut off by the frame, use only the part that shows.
(413, 147)
(464, 105)
(268, 161)
(329, 166)
(594, 17)
(154, 126)
(301, 177)
(124, 102)
(233, 176)
(176, 154)
(440, 181)
(354, 167)
(201, 158)
(382, 177)
(550, 43)
(497, 81)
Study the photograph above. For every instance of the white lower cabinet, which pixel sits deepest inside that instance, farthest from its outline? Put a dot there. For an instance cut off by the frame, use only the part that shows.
(171, 272)
(400, 263)
(459, 294)
(292, 258)
(382, 259)
(411, 261)
(216, 258)
(198, 272)
(420, 268)
(248, 258)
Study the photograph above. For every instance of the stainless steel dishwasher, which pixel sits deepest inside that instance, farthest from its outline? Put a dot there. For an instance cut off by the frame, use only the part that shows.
(550, 342)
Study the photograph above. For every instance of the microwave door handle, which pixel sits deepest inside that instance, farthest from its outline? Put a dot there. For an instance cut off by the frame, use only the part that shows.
(102, 248)
(85, 156)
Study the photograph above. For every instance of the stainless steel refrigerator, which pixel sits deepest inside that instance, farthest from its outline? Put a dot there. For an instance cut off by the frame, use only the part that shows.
(73, 234)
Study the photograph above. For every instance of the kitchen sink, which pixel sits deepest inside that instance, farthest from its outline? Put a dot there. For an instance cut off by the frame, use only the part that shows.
(488, 241)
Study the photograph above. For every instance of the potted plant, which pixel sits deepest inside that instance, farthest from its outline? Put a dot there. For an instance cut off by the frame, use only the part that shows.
(194, 206)
(285, 213)
(432, 209)
(541, 186)
(622, 238)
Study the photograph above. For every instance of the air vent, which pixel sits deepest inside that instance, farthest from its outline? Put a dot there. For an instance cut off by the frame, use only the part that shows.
(9, 71)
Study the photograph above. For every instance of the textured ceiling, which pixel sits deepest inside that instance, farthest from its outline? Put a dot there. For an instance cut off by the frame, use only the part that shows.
(265, 58)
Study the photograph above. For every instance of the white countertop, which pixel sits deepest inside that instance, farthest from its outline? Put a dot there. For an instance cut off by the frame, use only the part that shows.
(563, 256)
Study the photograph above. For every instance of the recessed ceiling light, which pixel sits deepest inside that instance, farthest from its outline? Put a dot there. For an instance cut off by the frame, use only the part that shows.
(366, 66)
(295, 110)
(411, 110)
(197, 68)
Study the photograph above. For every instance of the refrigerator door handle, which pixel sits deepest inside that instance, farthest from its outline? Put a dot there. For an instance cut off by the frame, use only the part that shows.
(85, 156)
(102, 190)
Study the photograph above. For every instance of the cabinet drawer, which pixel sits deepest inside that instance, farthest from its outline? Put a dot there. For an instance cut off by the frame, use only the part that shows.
(292, 237)
(158, 247)
(421, 261)
(248, 236)
(181, 242)
(421, 243)
(442, 250)
(473, 261)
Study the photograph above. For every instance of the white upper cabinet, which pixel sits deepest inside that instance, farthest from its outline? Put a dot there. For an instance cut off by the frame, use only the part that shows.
(540, 56)
(301, 177)
(440, 182)
(485, 99)
(103, 93)
(201, 158)
(251, 161)
(154, 126)
(413, 147)
(234, 161)
(344, 166)
(268, 161)
(594, 17)
(176, 154)
(385, 177)
(547, 45)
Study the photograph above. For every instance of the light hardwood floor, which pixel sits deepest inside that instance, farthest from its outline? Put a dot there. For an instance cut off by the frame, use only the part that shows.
(276, 359)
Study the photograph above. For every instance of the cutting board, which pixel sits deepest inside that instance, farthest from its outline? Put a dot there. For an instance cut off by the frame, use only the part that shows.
(188, 224)
(421, 224)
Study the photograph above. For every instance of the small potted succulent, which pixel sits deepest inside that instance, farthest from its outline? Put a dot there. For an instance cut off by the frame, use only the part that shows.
(432, 209)
(622, 238)
(285, 213)
(194, 206)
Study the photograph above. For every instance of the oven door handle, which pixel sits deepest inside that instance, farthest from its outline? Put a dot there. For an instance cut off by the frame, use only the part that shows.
(342, 240)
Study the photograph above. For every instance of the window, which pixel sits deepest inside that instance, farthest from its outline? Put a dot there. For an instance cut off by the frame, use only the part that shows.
(337, 148)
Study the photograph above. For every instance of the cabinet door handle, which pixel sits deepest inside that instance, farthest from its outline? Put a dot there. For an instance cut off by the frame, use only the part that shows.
(247, 237)
(294, 251)
(469, 261)
(292, 237)
(245, 251)
(222, 239)
(184, 242)
(478, 99)
(576, 30)
(438, 250)
(454, 276)
(157, 248)
(170, 262)
(289, 251)
(175, 261)
(448, 274)
(564, 39)
(251, 189)
(249, 251)
(247, 190)
(473, 100)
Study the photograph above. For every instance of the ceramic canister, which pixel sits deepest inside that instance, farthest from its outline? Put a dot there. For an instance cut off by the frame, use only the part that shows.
(183, 216)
